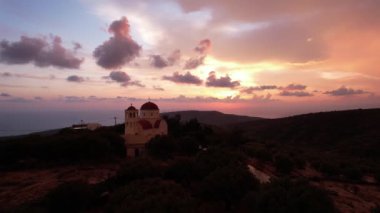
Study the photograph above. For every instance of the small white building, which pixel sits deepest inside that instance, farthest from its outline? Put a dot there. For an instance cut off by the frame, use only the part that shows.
(90, 126)
(142, 126)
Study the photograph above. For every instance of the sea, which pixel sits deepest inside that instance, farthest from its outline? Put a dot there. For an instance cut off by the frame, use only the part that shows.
(24, 122)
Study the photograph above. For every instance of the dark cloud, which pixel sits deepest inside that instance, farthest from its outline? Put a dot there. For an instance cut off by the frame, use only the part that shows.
(42, 52)
(187, 78)
(77, 46)
(5, 74)
(3, 94)
(203, 46)
(38, 98)
(174, 57)
(213, 81)
(124, 79)
(193, 63)
(119, 49)
(75, 78)
(250, 90)
(158, 61)
(295, 93)
(345, 91)
(295, 87)
(119, 76)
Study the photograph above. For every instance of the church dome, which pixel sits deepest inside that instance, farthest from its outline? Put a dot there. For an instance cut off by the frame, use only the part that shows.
(149, 106)
(131, 108)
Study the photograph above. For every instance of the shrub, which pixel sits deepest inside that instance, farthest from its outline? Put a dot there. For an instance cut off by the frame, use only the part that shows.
(137, 169)
(287, 196)
(283, 164)
(150, 195)
(228, 184)
(161, 147)
(183, 171)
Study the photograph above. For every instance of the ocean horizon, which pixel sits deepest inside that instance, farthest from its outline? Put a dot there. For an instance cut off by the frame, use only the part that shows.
(13, 123)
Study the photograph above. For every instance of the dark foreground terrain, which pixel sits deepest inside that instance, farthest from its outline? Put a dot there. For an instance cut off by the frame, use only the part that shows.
(323, 162)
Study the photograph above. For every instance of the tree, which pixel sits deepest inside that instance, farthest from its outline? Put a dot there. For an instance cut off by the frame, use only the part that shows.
(161, 147)
(228, 184)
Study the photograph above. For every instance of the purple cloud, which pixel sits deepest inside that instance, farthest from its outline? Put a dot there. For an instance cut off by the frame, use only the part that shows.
(75, 78)
(250, 90)
(213, 81)
(193, 63)
(120, 49)
(295, 87)
(345, 91)
(158, 61)
(187, 78)
(295, 93)
(3, 94)
(124, 79)
(203, 46)
(40, 51)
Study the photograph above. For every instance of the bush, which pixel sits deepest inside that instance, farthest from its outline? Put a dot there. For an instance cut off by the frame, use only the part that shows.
(213, 158)
(183, 171)
(188, 145)
(137, 169)
(283, 164)
(287, 196)
(228, 184)
(161, 147)
(151, 195)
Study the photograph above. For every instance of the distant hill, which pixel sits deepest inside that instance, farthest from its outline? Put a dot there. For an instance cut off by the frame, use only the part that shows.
(343, 136)
(212, 117)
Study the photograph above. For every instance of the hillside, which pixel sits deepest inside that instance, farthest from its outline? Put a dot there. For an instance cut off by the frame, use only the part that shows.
(211, 117)
(330, 141)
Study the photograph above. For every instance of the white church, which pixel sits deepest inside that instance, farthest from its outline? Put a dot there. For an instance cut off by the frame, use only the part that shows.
(142, 126)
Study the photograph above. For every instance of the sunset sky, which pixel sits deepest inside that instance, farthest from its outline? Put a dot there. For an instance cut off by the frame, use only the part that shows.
(253, 57)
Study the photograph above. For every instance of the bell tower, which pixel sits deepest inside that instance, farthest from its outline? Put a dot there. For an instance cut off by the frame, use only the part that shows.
(131, 119)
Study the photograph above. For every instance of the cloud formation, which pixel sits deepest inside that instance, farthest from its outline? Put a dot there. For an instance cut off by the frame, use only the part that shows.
(75, 78)
(345, 91)
(42, 52)
(124, 79)
(202, 49)
(203, 46)
(295, 93)
(193, 63)
(213, 81)
(187, 78)
(159, 61)
(295, 87)
(5, 74)
(250, 90)
(158, 88)
(120, 49)
(3, 94)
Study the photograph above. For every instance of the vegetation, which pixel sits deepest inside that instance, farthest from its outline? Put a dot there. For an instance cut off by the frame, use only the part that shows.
(197, 168)
(66, 147)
